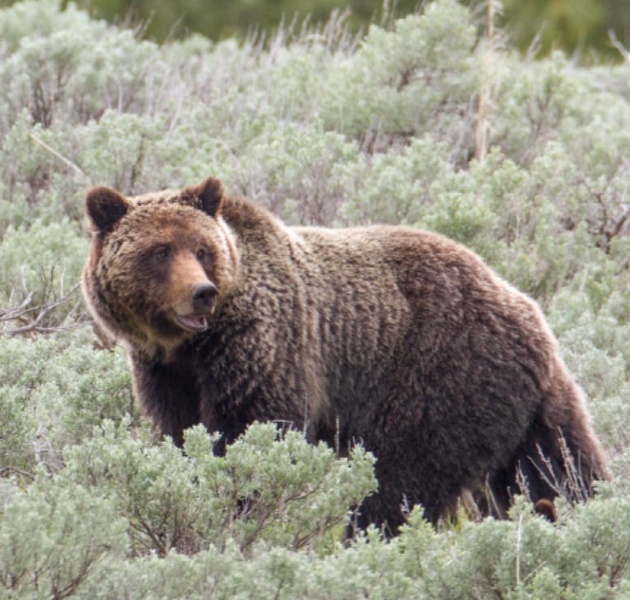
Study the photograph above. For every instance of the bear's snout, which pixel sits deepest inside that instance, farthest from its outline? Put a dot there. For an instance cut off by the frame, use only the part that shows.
(204, 297)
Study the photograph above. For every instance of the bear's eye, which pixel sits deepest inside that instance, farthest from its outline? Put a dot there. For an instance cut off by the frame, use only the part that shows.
(162, 253)
(202, 254)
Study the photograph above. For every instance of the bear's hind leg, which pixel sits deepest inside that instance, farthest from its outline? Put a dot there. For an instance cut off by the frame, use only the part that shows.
(536, 470)
(560, 455)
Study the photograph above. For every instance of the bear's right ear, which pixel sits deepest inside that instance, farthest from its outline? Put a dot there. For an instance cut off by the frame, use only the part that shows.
(105, 207)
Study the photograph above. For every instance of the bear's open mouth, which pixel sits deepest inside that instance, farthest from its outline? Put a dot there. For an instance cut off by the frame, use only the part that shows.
(194, 323)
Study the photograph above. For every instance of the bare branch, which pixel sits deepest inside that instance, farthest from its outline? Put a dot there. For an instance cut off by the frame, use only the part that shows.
(618, 45)
(17, 312)
(60, 156)
(24, 312)
(4, 471)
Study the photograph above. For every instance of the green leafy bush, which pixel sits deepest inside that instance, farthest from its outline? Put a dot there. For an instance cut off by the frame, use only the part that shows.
(40, 266)
(53, 391)
(53, 539)
(286, 492)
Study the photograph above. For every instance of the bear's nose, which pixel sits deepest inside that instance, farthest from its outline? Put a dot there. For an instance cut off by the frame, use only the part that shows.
(203, 297)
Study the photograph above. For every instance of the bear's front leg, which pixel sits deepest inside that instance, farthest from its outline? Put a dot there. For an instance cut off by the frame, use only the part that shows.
(228, 410)
(168, 393)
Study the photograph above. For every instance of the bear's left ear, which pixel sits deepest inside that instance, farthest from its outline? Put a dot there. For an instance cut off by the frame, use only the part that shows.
(105, 207)
(207, 196)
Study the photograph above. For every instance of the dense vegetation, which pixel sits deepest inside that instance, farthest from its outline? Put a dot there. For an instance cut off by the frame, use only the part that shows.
(582, 28)
(424, 123)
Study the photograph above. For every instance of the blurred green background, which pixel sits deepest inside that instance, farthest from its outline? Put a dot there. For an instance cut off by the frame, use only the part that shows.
(582, 28)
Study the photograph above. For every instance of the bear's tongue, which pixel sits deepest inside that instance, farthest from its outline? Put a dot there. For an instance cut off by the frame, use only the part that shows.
(193, 322)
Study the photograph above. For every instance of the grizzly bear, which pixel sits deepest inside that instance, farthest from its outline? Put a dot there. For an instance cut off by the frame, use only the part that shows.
(398, 339)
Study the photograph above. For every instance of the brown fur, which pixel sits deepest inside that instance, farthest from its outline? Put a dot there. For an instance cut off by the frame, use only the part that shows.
(546, 509)
(399, 339)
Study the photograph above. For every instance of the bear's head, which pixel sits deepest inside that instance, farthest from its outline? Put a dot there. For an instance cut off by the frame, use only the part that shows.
(160, 264)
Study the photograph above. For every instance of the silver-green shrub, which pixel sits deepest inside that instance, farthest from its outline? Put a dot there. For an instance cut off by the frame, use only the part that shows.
(53, 391)
(280, 490)
(55, 538)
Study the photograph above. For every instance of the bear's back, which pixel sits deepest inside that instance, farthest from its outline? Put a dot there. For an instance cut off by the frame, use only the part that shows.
(399, 299)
